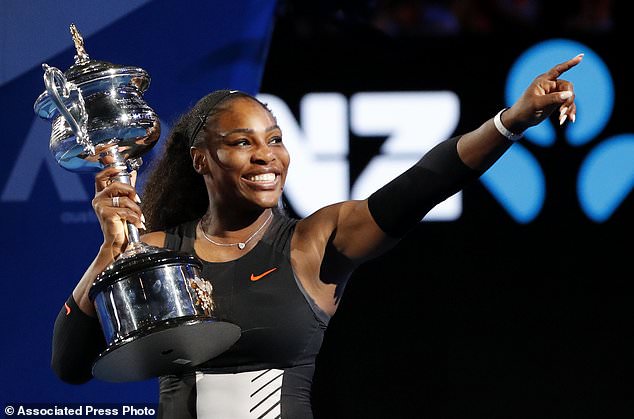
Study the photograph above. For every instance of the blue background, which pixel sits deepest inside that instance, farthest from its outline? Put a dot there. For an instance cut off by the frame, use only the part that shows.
(188, 49)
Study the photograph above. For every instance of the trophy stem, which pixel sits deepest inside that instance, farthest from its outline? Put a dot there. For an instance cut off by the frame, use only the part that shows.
(111, 157)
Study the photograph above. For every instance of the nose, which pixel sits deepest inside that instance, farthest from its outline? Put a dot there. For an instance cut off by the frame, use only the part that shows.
(263, 154)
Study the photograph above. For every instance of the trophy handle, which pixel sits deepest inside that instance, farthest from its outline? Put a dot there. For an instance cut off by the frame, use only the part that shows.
(58, 89)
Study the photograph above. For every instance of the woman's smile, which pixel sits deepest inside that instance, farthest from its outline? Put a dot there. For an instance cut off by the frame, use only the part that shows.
(262, 181)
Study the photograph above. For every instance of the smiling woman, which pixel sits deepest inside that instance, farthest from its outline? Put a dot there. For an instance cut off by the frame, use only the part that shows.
(241, 153)
(188, 198)
(215, 193)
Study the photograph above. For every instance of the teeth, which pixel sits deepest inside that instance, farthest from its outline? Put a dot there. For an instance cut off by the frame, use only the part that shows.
(266, 177)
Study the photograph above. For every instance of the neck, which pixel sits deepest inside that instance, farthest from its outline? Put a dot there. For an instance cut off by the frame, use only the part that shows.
(231, 224)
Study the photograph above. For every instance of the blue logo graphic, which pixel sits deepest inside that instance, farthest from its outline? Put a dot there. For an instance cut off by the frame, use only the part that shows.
(605, 177)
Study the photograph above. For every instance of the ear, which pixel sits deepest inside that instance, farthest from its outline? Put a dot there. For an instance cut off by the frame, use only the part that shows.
(199, 160)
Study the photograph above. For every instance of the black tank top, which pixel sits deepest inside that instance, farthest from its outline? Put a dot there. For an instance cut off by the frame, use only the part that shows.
(282, 328)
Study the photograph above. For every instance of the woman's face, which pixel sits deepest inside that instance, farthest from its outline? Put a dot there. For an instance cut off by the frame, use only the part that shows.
(246, 159)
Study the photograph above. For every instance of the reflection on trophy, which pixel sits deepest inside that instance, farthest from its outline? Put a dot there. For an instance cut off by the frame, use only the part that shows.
(154, 307)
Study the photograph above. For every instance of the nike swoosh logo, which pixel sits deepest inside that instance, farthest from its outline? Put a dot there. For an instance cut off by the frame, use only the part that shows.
(66, 306)
(262, 275)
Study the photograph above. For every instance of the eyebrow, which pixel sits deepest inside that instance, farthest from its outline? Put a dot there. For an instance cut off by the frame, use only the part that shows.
(247, 130)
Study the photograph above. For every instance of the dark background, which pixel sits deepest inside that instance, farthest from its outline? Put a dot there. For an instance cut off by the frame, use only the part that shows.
(480, 317)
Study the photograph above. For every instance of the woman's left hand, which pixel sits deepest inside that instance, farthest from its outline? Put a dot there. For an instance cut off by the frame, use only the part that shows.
(545, 94)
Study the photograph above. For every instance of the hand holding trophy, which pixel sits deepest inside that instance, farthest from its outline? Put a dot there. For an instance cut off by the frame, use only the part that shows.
(154, 307)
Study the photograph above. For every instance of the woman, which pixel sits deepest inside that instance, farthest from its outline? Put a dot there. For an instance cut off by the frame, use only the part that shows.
(215, 192)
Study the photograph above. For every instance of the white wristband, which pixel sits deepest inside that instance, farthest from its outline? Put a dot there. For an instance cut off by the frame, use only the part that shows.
(497, 121)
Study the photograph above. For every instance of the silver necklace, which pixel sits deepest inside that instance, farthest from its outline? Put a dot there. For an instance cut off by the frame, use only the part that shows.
(241, 245)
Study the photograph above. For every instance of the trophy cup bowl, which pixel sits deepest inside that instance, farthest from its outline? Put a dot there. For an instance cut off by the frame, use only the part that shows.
(154, 307)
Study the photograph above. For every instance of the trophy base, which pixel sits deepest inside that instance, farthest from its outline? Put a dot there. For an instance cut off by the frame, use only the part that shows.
(174, 347)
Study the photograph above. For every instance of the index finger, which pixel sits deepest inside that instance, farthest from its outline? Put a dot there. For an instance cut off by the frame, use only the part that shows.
(559, 69)
(111, 174)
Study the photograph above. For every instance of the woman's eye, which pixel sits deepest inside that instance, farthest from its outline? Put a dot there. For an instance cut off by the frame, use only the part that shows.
(241, 142)
(275, 140)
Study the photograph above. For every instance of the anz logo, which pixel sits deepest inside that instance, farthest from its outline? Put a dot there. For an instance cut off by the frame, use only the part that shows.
(413, 123)
(516, 181)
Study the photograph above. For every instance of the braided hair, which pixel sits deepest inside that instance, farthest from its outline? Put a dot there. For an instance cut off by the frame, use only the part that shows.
(174, 192)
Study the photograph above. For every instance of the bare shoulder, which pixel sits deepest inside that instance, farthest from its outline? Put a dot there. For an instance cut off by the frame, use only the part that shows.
(155, 238)
(320, 224)
(349, 228)
(331, 222)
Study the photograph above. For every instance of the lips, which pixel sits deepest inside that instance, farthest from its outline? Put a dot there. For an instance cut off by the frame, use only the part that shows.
(261, 180)
(265, 177)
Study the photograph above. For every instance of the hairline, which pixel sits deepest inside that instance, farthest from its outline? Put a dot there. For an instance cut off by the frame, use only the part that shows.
(218, 107)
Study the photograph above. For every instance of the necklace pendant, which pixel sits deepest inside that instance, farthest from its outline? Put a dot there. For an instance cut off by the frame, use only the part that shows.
(241, 245)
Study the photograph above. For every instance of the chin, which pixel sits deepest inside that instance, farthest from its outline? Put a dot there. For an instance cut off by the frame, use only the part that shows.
(270, 201)
(268, 204)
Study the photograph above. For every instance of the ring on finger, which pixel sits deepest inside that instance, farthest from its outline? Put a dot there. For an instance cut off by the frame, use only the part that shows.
(115, 201)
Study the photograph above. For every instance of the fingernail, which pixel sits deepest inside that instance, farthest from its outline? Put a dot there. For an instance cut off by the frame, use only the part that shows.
(580, 55)
(573, 117)
(563, 111)
(562, 119)
(565, 95)
(143, 226)
(143, 218)
(137, 199)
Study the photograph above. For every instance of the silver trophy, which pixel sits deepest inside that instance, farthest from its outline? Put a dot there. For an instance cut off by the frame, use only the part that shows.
(154, 307)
